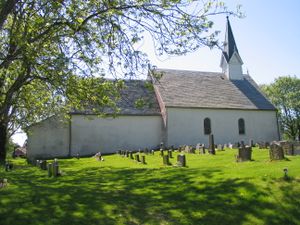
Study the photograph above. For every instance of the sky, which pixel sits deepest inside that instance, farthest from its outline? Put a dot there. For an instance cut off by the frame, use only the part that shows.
(267, 40)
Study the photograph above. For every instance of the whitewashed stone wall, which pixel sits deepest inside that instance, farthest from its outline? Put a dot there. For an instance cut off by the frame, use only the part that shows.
(186, 126)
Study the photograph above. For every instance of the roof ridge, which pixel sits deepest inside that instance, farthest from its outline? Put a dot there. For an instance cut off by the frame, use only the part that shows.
(192, 71)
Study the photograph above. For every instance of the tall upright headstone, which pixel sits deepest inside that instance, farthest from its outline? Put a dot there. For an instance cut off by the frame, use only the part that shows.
(211, 142)
(276, 151)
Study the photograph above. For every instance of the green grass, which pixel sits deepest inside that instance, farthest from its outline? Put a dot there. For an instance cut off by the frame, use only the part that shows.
(210, 190)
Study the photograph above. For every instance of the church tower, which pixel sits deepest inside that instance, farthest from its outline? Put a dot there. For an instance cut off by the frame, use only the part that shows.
(231, 62)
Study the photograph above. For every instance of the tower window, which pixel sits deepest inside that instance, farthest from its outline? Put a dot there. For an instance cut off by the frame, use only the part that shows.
(241, 124)
(207, 126)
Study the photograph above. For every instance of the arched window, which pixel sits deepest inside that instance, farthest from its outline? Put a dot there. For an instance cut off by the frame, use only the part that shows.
(241, 126)
(207, 126)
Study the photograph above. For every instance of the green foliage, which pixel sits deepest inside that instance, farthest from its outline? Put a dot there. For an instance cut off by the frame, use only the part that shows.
(51, 51)
(284, 93)
(210, 190)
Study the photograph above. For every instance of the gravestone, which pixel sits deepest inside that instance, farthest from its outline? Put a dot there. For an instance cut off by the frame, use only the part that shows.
(251, 143)
(211, 148)
(288, 147)
(143, 159)
(8, 166)
(43, 164)
(276, 151)
(198, 146)
(187, 149)
(181, 160)
(50, 169)
(162, 145)
(137, 157)
(161, 152)
(170, 153)
(166, 160)
(55, 168)
(220, 147)
(244, 154)
(242, 144)
(131, 154)
(202, 149)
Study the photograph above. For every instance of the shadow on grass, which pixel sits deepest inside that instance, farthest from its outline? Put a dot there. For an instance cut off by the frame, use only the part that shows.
(141, 196)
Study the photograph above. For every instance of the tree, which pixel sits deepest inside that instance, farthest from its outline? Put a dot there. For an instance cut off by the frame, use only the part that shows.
(49, 50)
(284, 93)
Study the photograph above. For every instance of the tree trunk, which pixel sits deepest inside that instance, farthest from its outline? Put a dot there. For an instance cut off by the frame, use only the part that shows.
(3, 140)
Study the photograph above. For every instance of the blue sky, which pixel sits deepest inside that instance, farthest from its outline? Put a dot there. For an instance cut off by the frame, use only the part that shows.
(267, 39)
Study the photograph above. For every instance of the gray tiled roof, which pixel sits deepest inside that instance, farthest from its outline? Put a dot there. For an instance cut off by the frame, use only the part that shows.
(138, 90)
(181, 88)
(134, 91)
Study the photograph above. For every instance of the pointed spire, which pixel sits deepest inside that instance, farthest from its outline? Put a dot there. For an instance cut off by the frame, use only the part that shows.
(229, 44)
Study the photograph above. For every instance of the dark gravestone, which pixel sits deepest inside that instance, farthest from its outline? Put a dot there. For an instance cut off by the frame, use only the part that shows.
(161, 145)
(143, 159)
(211, 142)
(181, 161)
(244, 154)
(8, 166)
(242, 144)
(166, 160)
(50, 169)
(276, 151)
(170, 153)
(55, 168)
(137, 157)
(161, 152)
(131, 154)
(43, 164)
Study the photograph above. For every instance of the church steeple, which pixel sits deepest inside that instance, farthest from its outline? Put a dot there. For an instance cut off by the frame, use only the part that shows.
(231, 62)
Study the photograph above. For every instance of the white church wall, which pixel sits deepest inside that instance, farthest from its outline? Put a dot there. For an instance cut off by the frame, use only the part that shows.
(186, 125)
(91, 134)
(48, 139)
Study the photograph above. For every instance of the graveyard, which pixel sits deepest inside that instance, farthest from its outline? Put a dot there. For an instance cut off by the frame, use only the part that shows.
(152, 188)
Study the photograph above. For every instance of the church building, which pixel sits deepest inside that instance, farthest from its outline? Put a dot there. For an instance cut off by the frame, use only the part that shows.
(180, 108)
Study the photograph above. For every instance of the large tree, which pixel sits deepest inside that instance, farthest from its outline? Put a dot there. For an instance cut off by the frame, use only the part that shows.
(284, 93)
(50, 49)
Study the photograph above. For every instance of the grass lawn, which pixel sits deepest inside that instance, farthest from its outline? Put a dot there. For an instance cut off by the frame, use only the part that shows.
(210, 190)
